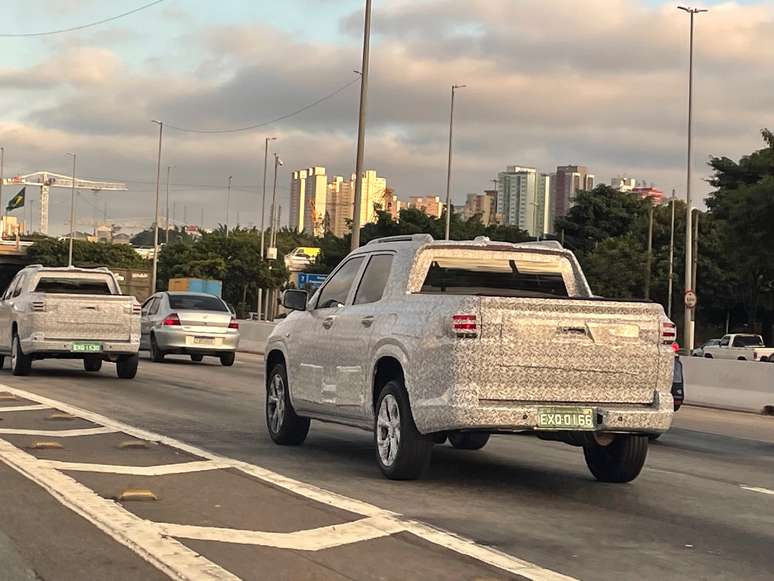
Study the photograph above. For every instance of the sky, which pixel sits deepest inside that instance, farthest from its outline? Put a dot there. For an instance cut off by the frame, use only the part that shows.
(601, 83)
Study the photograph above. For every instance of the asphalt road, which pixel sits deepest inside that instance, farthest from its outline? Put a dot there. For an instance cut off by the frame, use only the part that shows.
(702, 509)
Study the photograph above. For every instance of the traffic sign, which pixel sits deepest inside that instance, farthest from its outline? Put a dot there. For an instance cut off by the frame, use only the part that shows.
(691, 299)
(308, 280)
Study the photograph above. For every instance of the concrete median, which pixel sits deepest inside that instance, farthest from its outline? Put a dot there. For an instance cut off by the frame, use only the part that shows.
(733, 385)
(253, 335)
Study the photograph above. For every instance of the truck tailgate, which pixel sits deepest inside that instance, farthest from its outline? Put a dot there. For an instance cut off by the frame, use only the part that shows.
(571, 350)
(90, 317)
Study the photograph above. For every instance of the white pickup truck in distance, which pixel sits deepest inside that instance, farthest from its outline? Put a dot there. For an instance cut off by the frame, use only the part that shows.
(742, 347)
(69, 313)
(422, 341)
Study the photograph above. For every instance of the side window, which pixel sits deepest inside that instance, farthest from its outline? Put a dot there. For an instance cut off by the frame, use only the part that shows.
(374, 279)
(154, 307)
(337, 288)
(725, 341)
(146, 306)
(9, 291)
(18, 288)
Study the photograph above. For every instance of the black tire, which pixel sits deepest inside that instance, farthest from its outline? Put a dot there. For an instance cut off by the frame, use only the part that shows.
(126, 366)
(227, 359)
(741, 359)
(285, 427)
(411, 451)
(654, 437)
(92, 364)
(621, 461)
(21, 364)
(469, 440)
(196, 357)
(2, 361)
(707, 356)
(157, 355)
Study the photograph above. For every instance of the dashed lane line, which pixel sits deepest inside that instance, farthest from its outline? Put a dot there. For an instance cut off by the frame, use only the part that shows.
(366, 529)
(424, 531)
(59, 433)
(140, 535)
(24, 408)
(756, 489)
(159, 470)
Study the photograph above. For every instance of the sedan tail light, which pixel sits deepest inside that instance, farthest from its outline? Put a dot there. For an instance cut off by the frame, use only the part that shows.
(464, 325)
(172, 320)
(233, 324)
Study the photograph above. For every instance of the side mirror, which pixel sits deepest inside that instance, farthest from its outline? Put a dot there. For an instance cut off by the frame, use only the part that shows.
(295, 300)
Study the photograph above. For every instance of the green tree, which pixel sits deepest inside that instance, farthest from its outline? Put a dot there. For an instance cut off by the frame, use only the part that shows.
(53, 252)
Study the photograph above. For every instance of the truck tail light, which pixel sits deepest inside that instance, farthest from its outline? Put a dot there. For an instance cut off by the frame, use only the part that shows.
(38, 306)
(668, 333)
(172, 320)
(233, 324)
(465, 325)
(136, 309)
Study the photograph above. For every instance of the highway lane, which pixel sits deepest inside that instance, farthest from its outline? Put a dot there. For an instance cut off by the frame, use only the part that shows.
(686, 517)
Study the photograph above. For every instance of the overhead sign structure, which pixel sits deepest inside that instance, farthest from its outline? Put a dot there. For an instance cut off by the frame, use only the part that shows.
(691, 299)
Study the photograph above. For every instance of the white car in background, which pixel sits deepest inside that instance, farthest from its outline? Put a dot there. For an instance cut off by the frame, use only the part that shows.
(742, 347)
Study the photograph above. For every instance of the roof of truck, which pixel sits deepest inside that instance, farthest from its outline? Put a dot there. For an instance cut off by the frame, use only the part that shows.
(416, 241)
(99, 269)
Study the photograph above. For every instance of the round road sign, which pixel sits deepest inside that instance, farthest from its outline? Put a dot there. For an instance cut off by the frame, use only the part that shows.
(690, 299)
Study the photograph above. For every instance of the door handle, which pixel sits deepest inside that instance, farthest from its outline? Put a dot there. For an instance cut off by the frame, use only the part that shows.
(367, 321)
(327, 323)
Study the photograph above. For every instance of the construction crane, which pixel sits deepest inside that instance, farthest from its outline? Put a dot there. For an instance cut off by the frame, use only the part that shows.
(46, 180)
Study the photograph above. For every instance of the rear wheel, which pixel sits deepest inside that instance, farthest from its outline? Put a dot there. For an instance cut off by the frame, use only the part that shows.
(401, 451)
(707, 356)
(21, 364)
(126, 366)
(469, 440)
(2, 361)
(157, 355)
(620, 461)
(285, 427)
(92, 364)
(227, 359)
(196, 357)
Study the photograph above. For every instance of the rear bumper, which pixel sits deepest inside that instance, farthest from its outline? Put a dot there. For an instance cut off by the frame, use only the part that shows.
(655, 418)
(180, 341)
(40, 349)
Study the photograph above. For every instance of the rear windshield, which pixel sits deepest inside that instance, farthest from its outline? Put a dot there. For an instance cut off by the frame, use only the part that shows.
(73, 286)
(509, 277)
(197, 303)
(748, 341)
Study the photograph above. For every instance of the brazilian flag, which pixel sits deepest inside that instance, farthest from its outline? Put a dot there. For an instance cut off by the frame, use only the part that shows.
(17, 201)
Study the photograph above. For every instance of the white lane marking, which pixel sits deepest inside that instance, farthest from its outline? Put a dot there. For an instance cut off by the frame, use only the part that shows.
(431, 534)
(756, 489)
(142, 536)
(318, 539)
(159, 470)
(24, 408)
(59, 433)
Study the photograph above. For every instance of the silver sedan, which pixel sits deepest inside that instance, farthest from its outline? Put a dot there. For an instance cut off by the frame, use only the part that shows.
(193, 324)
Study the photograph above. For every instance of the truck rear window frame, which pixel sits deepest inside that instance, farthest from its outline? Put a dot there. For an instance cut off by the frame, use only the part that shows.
(70, 285)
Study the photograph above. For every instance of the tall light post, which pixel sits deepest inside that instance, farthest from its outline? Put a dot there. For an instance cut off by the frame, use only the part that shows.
(166, 235)
(72, 213)
(671, 258)
(689, 282)
(2, 173)
(358, 203)
(228, 203)
(263, 196)
(156, 218)
(272, 231)
(449, 163)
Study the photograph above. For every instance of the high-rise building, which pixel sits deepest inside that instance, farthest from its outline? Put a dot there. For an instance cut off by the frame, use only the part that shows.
(544, 208)
(392, 205)
(430, 205)
(517, 195)
(483, 205)
(297, 199)
(316, 196)
(335, 207)
(623, 184)
(339, 205)
(649, 192)
(569, 180)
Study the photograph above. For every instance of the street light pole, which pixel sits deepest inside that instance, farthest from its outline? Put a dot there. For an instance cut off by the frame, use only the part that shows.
(2, 173)
(272, 232)
(263, 196)
(228, 203)
(72, 214)
(671, 258)
(358, 203)
(689, 283)
(156, 218)
(449, 163)
(166, 236)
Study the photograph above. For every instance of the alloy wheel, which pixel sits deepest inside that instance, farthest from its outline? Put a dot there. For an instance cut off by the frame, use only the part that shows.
(388, 430)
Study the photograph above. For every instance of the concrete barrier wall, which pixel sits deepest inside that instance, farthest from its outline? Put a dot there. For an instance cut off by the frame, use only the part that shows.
(727, 384)
(253, 335)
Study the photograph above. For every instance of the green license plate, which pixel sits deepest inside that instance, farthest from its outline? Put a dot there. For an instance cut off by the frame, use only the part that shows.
(566, 418)
(86, 347)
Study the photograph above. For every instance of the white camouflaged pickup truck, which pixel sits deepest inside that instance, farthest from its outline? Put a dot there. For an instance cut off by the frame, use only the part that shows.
(423, 341)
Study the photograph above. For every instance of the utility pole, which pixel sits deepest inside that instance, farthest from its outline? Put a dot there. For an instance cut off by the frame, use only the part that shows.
(649, 265)
(166, 237)
(689, 283)
(156, 218)
(228, 203)
(72, 215)
(358, 202)
(695, 255)
(671, 258)
(2, 173)
(277, 163)
(449, 162)
(262, 220)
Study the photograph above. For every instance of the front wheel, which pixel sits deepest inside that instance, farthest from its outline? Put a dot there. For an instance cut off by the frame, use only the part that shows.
(620, 461)
(401, 451)
(469, 440)
(285, 427)
(126, 366)
(21, 364)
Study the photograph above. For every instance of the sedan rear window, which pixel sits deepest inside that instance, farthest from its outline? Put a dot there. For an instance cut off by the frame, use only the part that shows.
(509, 277)
(197, 303)
(73, 286)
